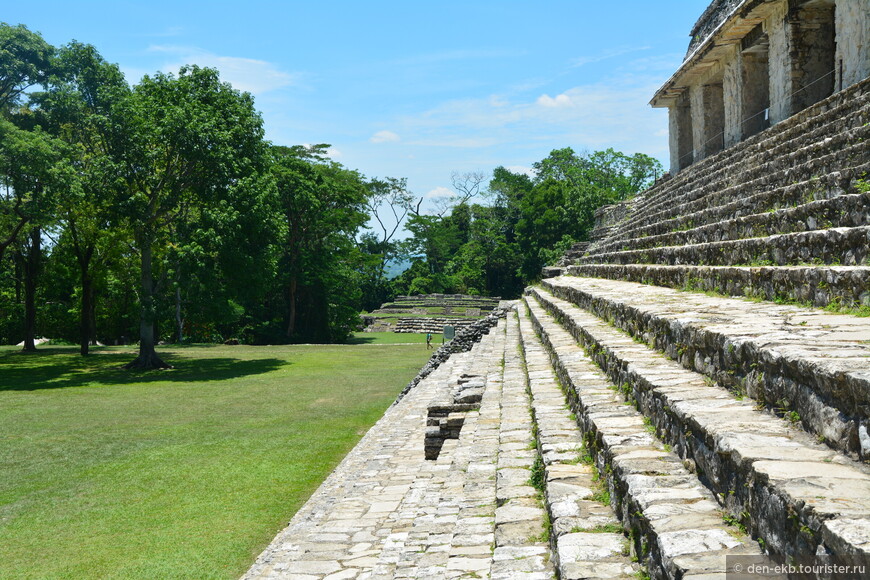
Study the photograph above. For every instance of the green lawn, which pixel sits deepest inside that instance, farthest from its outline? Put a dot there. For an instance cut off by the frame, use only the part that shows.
(185, 473)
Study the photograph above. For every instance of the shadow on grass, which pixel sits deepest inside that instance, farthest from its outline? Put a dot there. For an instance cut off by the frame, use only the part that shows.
(54, 368)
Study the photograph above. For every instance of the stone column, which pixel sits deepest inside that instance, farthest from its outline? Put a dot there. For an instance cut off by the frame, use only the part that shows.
(777, 29)
(852, 21)
(680, 133)
(732, 90)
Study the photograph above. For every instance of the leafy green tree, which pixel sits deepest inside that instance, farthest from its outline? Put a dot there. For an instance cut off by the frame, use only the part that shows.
(78, 109)
(323, 205)
(222, 260)
(33, 169)
(25, 60)
(183, 141)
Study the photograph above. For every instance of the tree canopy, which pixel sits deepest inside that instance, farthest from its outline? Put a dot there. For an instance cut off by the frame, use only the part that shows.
(158, 212)
(498, 247)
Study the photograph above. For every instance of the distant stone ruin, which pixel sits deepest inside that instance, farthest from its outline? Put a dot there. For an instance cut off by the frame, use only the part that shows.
(429, 313)
(686, 395)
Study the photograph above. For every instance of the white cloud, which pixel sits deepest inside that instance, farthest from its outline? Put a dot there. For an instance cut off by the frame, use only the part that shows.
(612, 112)
(562, 100)
(245, 74)
(521, 169)
(384, 137)
(439, 193)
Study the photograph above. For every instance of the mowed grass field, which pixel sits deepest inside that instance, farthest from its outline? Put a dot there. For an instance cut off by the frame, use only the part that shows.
(184, 473)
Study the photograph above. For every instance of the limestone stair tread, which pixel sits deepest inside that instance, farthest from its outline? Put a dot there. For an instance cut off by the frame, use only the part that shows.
(845, 286)
(826, 492)
(818, 361)
(847, 245)
(520, 546)
(847, 210)
(586, 546)
(680, 520)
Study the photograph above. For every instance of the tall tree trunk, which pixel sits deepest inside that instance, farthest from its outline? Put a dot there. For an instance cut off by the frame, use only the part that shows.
(179, 320)
(92, 315)
(147, 359)
(291, 315)
(31, 270)
(85, 317)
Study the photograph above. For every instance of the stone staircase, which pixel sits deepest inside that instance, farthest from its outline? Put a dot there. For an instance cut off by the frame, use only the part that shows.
(782, 216)
(693, 388)
(507, 498)
(435, 325)
(714, 345)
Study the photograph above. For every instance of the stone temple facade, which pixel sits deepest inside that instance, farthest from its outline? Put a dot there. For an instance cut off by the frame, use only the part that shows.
(754, 63)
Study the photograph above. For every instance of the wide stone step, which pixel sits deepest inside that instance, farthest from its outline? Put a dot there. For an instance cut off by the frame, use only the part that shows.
(844, 110)
(823, 174)
(675, 525)
(809, 364)
(842, 211)
(743, 200)
(589, 540)
(732, 205)
(521, 547)
(834, 246)
(771, 157)
(821, 286)
(797, 495)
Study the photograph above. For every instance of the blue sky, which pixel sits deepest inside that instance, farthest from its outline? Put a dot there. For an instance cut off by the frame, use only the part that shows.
(409, 88)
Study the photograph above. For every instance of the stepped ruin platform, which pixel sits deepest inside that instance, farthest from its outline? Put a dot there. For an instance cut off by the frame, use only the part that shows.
(429, 313)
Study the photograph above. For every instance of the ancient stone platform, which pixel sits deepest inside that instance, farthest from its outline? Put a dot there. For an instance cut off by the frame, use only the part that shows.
(692, 384)
(430, 313)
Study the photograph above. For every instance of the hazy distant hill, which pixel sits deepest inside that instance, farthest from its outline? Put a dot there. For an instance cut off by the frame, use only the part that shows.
(396, 268)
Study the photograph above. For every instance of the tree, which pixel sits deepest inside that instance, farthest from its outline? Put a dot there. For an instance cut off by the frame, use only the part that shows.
(78, 109)
(222, 260)
(24, 62)
(324, 206)
(184, 141)
(388, 204)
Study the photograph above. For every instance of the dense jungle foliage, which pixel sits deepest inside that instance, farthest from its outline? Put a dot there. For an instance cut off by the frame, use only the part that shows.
(157, 211)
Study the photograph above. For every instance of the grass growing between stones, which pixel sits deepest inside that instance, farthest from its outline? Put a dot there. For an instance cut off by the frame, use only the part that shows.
(185, 473)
